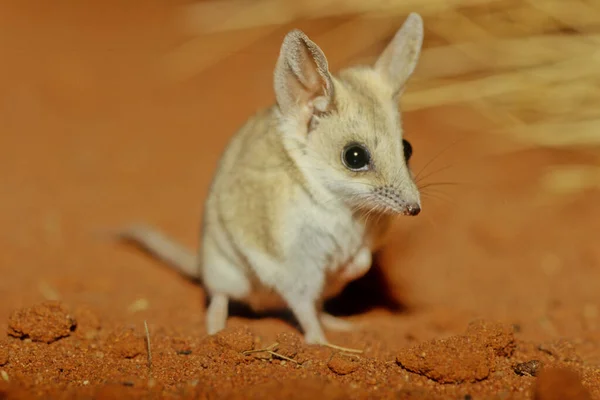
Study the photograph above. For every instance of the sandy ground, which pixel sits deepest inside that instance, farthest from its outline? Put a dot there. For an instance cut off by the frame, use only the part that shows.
(492, 292)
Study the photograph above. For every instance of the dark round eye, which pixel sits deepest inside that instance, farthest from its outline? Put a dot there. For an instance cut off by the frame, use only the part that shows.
(408, 150)
(356, 157)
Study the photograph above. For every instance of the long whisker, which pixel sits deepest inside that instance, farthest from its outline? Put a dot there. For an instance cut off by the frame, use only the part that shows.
(433, 184)
(437, 171)
(438, 155)
(438, 196)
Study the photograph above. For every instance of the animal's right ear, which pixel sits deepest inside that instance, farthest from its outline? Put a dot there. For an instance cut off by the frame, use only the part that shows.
(303, 84)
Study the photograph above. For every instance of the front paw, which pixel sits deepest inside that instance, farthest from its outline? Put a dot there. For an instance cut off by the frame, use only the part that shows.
(359, 265)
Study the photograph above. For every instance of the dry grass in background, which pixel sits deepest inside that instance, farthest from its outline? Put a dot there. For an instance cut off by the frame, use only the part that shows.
(533, 66)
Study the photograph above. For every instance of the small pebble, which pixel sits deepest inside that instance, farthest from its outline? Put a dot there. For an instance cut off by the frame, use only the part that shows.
(529, 368)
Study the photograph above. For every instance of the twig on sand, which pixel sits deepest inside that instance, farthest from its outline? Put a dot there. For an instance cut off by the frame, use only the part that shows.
(271, 351)
(149, 350)
(343, 349)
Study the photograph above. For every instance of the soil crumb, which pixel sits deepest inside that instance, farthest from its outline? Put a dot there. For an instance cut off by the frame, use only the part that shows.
(127, 343)
(45, 322)
(560, 384)
(289, 344)
(343, 364)
(239, 339)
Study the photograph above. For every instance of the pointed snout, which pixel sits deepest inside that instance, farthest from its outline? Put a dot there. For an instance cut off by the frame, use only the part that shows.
(398, 200)
(412, 210)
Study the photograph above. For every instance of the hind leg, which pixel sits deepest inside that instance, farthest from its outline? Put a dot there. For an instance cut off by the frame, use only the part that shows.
(304, 308)
(223, 280)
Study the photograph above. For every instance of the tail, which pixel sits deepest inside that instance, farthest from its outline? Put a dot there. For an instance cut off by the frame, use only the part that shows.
(163, 248)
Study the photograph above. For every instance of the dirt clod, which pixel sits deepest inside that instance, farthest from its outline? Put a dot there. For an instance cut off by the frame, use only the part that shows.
(289, 344)
(239, 339)
(126, 343)
(560, 384)
(343, 364)
(45, 322)
(453, 360)
(463, 358)
(528, 368)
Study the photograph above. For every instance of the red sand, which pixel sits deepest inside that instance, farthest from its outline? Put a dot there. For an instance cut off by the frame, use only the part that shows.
(497, 282)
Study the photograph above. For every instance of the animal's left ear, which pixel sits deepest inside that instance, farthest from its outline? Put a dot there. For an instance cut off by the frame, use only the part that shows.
(399, 60)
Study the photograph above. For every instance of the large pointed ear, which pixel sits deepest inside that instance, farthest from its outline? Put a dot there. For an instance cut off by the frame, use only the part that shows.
(303, 84)
(399, 59)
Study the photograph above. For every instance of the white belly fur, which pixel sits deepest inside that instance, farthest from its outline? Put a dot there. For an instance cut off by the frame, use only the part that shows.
(321, 243)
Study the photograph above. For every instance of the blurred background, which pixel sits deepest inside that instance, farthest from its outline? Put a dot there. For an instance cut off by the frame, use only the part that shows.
(116, 112)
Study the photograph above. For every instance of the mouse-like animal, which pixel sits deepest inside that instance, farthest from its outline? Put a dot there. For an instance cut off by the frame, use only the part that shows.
(305, 190)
